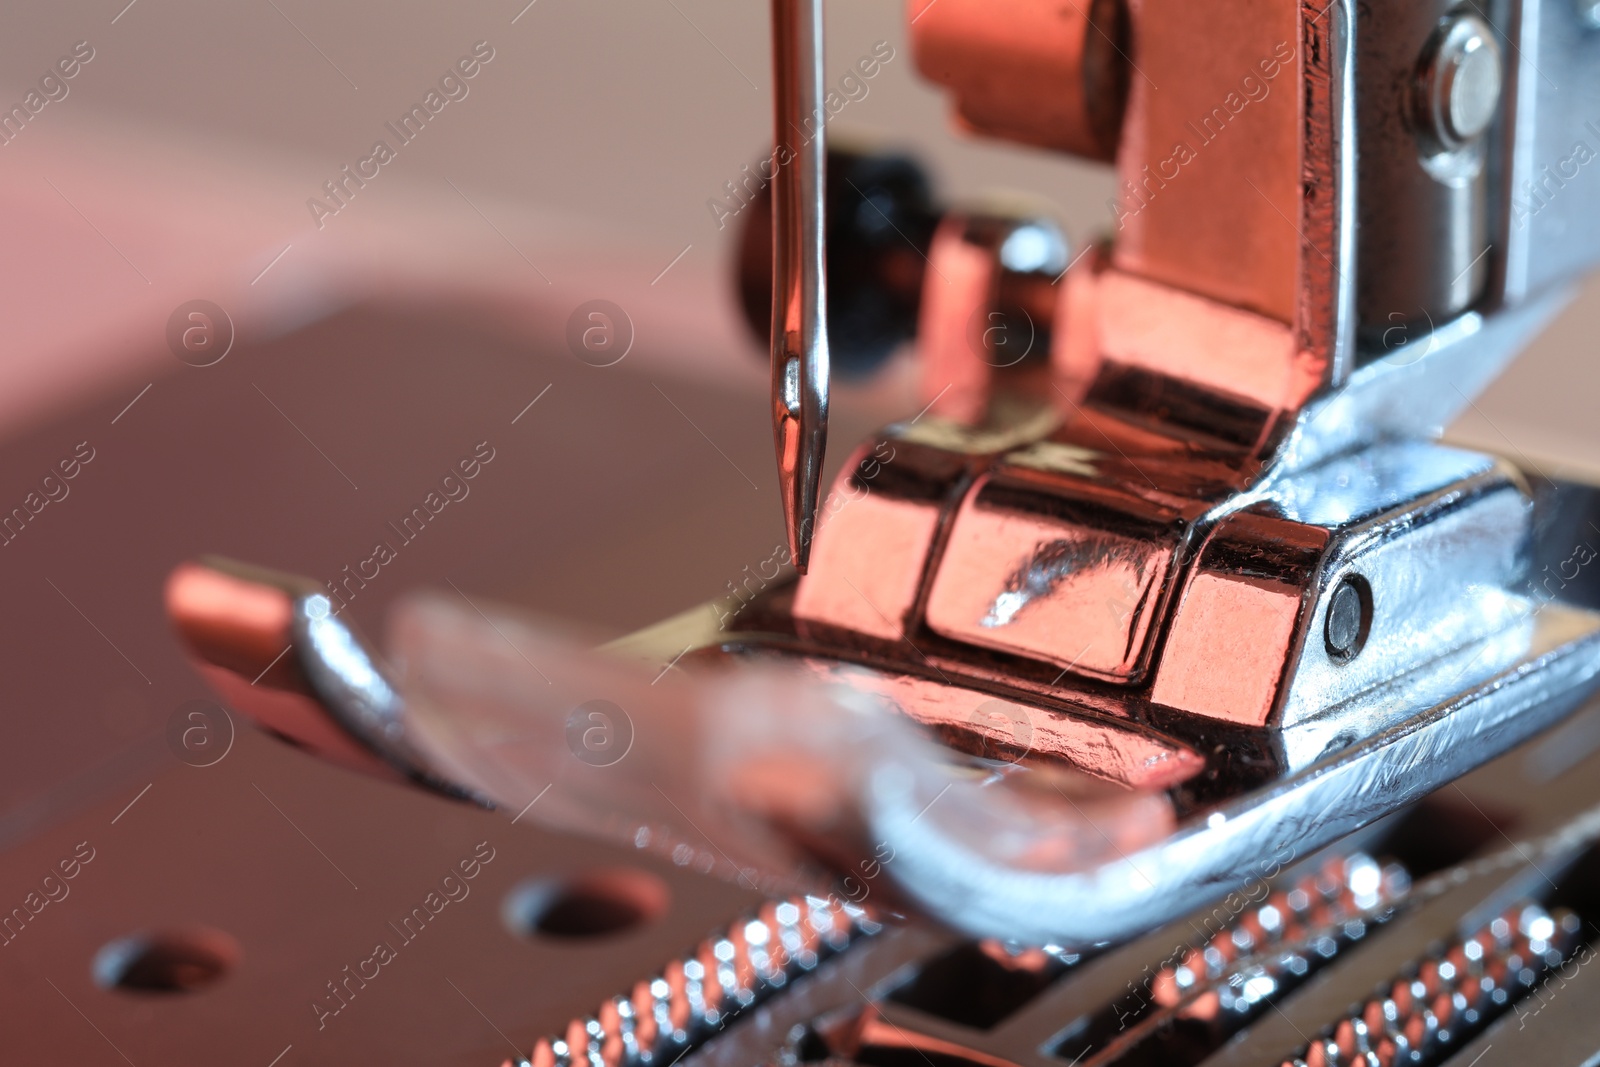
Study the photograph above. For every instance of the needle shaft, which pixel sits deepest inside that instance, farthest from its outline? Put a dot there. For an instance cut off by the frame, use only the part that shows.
(799, 284)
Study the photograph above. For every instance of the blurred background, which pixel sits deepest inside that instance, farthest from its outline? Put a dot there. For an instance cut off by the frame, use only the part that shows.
(373, 347)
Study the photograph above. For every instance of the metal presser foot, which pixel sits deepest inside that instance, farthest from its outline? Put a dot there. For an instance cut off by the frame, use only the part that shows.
(1168, 586)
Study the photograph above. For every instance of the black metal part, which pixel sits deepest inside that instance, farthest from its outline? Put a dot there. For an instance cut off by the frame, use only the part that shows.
(880, 222)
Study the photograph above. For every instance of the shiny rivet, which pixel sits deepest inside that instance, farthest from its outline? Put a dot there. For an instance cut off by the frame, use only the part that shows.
(1348, 619)
(1588, 13)
(1461, 81)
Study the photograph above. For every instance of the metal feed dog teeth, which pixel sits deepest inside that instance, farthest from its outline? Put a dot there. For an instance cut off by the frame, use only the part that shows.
(1445, 998)
(1309, 920)
(694, 997)
(1210, 988)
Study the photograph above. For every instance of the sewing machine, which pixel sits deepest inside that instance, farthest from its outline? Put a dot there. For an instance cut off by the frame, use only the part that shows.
(1158, 688)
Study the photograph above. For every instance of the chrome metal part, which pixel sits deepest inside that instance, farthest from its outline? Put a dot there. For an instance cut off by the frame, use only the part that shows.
(1429, 92)
(1348, 619)
(898, 495)
(799, 276)
(1408, 996)
(969, 869)
(1437, 537)
(1414, 388)
(989, 309)
(1555, 1023)
(1548, 222)
(269, 643)
(1175, 604)
(1300, 921)
(1046, 75)
(1250, 956)
(1119, 1006)
(1249, 207)
(988, 859)
(1465, 145)
(1462, 80)
(1189, 586)
(1288, 957)
(1236, 174)
(1437, 1002)
(696, 997)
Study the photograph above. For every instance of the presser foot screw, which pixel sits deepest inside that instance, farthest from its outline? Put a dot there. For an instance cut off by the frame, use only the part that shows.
(1461, 81)
(1348, 620)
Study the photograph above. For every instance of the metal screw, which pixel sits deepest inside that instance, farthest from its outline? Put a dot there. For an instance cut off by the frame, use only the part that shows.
(1348, 619)
(1588, 13)
(1461, 80)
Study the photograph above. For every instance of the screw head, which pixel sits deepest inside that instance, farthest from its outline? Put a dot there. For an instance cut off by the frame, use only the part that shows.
(1461, 81)
(1348, 619)
(1588, 13)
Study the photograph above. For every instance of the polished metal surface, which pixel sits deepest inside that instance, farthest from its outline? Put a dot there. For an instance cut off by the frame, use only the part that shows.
(1347, 596)
(1463, 80)
(1137, 618)
(1437, 1002)
(1237, 167)
(1496, 905)
(1223, 973)
(799, 277)
(324, 689)
(694, 998)
(1056, 77)
(1429, 94)
(990, 861)
(1281, 965)
(957, 869)
(1416, 388)
(1555, 1023)
(895, 498)
(1436, 537)
(1548, 222)
(989, 308)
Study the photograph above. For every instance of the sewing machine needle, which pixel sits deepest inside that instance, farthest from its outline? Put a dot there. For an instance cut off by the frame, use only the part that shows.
(799, 284)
